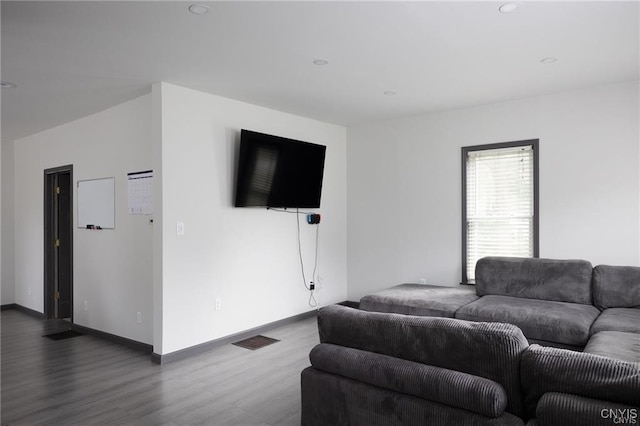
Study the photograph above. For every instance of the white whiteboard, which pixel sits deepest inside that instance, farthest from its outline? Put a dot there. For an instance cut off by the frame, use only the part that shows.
(96, 203)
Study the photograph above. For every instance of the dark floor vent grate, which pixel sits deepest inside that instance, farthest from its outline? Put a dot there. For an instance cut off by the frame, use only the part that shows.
(255, 342)
(63, 335)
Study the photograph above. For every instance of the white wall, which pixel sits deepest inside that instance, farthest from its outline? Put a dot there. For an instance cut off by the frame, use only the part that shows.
(112, 268)
(156, 138)
(2, 205)
(246, 257)
(7, 289)
(404, 204)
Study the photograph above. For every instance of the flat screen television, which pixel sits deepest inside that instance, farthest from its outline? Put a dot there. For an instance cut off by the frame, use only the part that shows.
(278, 172)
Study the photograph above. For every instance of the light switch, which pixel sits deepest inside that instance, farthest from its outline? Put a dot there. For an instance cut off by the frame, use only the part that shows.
(180, 228)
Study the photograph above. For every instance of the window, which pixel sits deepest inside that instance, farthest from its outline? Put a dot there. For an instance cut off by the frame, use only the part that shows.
(499, 202)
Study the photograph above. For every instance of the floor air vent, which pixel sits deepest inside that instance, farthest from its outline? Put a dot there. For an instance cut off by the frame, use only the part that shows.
(63, 335)
(255, 342)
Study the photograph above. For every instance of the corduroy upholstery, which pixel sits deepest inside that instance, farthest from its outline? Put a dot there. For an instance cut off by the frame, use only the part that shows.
(449, 387)
(616, 286)
(419, 299)
(581, 374)
(618, 319)
(561, 322)
(561, 409)
(488, 350)
(554, 302)
(615, 344)
(554, 344)
(332, 400)
(544, 279)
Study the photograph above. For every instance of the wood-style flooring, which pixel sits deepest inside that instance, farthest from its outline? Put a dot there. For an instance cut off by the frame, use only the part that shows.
(89, 381)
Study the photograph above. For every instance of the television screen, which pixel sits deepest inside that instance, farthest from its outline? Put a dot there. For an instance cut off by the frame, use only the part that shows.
(278, 172)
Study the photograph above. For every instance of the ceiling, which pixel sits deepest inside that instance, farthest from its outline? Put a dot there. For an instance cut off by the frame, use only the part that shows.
(72, 59)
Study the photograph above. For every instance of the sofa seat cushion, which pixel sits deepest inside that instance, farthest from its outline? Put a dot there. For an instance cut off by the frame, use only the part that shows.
(618, 319)
(561, 322)
(555, 345)
(419, 299)
(615, 344)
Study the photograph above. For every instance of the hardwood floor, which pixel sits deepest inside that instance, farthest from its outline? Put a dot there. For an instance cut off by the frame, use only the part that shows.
(89, 381)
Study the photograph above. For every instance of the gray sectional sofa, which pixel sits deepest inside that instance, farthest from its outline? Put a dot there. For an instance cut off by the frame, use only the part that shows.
(560, 303)
(384, 369)
(540, 342)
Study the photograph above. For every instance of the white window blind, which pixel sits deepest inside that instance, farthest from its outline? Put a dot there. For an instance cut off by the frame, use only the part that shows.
(500, 204)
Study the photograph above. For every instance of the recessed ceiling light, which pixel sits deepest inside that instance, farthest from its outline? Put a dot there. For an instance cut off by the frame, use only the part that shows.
(7, 85)
(508, 7)
(198, 9)
(390, 93)
(549, 60)
(320, 62)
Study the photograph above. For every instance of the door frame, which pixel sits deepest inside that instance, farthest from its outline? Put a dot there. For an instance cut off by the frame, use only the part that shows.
(49, 237)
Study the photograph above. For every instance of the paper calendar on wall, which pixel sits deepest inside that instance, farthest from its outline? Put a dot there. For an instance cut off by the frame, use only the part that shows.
(140, 192)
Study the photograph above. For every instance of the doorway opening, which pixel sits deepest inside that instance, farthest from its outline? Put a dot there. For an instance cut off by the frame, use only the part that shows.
(58, 243)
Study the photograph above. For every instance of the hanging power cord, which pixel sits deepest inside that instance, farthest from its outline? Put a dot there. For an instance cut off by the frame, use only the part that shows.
(309, 285)
(315, 268)
(315, 261)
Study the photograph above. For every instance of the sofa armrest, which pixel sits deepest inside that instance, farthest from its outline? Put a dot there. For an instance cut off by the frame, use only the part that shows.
(547, 370)
(448, 387)
(561, 409)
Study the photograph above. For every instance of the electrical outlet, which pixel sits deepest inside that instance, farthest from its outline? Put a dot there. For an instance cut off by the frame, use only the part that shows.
(218, 304)
(423, 280)
(180, 228)
(139, 317)
(29, 291)
(86, 305)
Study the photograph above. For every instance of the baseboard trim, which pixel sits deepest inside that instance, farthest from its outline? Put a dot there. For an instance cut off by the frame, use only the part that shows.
(207, 346)
(7, 307)
(133, 344)
(28, 311)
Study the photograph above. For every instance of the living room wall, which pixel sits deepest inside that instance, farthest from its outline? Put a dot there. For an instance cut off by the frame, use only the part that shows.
(404, 184)
(246, 257)
(112, 268)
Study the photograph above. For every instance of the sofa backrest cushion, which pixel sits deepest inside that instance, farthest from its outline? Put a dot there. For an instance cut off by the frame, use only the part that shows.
(616, 286)
(546, 369)
(545, 279)
(489, 350)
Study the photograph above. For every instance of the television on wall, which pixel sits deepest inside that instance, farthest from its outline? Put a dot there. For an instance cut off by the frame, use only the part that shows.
(278, 172)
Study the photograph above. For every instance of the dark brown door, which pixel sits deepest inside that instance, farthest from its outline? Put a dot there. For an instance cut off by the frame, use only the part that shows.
(58, 242)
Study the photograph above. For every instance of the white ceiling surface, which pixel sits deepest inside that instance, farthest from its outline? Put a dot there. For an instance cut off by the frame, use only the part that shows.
(72, 59)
